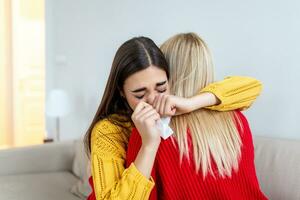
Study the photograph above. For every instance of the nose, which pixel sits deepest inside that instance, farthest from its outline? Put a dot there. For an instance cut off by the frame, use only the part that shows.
(151, 97)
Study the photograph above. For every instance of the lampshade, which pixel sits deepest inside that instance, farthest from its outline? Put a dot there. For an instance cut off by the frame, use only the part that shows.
(58, 103)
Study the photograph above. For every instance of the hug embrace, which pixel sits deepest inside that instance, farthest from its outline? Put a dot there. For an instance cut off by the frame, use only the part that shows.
(210, 154)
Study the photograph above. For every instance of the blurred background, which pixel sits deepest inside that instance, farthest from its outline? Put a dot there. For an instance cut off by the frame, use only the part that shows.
(55, 56)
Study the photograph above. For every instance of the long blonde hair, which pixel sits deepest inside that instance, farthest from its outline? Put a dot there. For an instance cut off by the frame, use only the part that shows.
(214, 135)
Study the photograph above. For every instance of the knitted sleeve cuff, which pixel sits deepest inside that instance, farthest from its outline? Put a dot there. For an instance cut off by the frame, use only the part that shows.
(236, 92)
(139, 177)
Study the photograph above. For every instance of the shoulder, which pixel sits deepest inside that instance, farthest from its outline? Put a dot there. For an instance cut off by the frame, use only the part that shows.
(243, 127)
(109, 138)
(240, 116)
(241, 121)
(104, 126)
(107, 126)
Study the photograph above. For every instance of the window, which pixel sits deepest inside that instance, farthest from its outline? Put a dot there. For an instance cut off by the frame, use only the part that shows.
(22, 75)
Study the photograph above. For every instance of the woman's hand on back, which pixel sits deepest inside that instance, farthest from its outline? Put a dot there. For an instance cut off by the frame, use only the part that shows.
(144, 118)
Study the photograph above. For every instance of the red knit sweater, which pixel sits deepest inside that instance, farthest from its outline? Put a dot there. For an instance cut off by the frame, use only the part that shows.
(173, 181)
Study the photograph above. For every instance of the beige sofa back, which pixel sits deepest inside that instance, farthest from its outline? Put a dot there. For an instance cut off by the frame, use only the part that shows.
(38, 158)
(278, 167)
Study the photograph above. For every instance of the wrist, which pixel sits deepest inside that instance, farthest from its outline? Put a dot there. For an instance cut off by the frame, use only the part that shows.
(149, 147)
(203, 100)
(194, 103)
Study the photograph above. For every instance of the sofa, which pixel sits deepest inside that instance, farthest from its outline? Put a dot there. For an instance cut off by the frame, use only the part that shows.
(44, 172)
(61, 170)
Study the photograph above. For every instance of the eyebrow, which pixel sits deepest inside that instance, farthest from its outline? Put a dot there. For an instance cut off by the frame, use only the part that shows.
(143, 88)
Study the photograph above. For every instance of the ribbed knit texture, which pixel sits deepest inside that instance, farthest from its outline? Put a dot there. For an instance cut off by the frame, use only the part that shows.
(175, 181)
(111, 179)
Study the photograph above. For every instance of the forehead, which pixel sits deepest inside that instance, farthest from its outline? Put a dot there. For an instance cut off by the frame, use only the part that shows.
(146, 78)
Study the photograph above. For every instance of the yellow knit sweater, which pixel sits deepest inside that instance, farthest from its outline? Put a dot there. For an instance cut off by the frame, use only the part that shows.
(109, 142)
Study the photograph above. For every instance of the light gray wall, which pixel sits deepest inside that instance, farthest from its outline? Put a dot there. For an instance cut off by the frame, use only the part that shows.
(258, 38)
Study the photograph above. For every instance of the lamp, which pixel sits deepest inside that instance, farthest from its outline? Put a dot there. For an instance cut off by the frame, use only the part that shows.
(57, 106)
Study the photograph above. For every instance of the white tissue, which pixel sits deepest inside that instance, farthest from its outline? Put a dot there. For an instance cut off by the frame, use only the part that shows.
(163, 126)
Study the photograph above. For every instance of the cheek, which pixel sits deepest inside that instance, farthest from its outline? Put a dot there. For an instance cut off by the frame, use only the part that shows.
(132, 101)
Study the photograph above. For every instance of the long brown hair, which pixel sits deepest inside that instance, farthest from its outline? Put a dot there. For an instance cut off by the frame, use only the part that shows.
(134, 55)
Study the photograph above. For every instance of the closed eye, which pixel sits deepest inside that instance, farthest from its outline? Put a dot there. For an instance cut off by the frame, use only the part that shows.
(140, 97)
(161, 91)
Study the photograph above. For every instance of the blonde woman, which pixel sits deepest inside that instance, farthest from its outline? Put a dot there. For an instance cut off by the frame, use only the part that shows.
(210, 155)
(139, 73)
